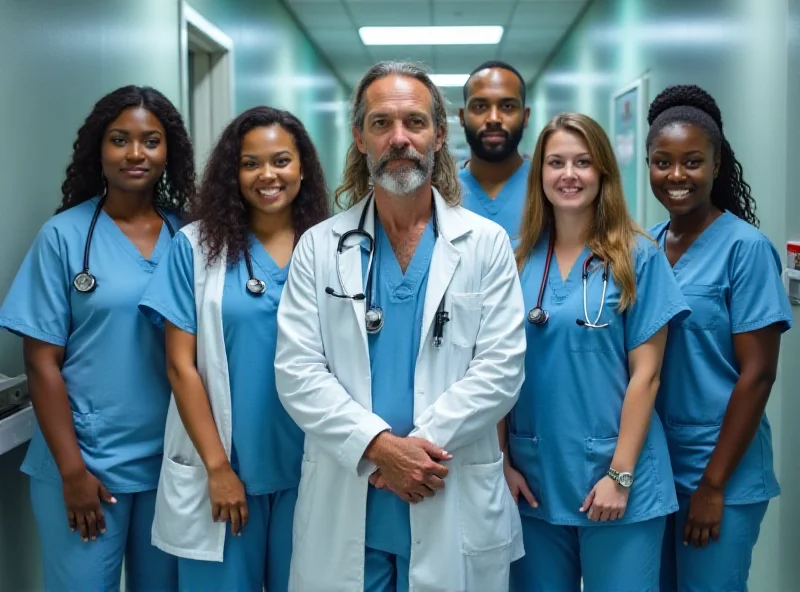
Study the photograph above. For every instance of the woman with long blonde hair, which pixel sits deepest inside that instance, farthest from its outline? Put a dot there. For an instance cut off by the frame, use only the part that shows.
(587, 460)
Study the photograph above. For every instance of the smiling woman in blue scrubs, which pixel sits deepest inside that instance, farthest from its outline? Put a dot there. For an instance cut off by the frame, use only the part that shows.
(720, 363)
(587, 458)
(95, 366)
(263, 187)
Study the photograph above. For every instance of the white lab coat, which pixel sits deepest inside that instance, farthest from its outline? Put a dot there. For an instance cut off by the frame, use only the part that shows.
(465, 537)
(182, 524)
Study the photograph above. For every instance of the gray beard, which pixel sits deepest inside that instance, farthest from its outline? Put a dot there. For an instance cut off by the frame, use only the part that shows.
(405, 180)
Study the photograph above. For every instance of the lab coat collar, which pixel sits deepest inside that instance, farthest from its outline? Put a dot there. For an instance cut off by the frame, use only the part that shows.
(452, 222)
(453, 225)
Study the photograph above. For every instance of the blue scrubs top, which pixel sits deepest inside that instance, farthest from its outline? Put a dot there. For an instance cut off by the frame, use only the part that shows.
(114, 360)
(505, 209)
(267, 444)
(393, 359)
(731, 278)
(563, 430)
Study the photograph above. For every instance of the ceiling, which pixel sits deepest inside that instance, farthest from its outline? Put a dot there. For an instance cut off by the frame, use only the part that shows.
(533, 28)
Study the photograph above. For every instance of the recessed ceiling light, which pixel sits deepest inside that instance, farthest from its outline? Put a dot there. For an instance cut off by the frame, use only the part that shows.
(489, 35)
(449, 79)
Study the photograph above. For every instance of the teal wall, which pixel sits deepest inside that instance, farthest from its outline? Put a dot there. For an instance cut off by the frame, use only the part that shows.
(737, 50)
(57, 59)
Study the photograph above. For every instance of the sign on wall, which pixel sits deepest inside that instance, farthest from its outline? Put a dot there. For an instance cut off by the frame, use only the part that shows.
(628, 125)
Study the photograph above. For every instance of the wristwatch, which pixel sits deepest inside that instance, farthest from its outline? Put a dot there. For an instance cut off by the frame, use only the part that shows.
(624, 479)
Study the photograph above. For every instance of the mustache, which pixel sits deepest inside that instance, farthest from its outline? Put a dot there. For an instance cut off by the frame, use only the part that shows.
(399, 154)
(493, 131)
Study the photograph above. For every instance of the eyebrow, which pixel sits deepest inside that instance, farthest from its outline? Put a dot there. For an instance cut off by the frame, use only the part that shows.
(555, 154)
(696, 151)
(279, 153)
(127, 133)
(501, 99)
(382, 114)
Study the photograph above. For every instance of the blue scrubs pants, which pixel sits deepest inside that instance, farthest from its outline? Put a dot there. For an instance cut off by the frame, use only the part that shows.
(260, 556)
(70, 564)
(385, 572)
(614, 558)
(721, 566)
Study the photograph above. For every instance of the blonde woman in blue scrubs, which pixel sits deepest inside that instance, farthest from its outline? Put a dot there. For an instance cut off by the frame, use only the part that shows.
(721, 362)
(587, 456)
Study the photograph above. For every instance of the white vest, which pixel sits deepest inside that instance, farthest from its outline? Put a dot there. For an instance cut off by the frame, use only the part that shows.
(182, 525)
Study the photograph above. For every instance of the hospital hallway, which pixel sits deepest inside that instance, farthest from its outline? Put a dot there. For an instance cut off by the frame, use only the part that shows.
(215, 59)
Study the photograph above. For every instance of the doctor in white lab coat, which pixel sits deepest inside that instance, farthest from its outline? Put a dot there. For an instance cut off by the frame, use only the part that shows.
(402, 484)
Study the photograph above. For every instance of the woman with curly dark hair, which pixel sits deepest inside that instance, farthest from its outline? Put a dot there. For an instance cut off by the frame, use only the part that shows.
(232, 453)
(721, 361)
(96, 368)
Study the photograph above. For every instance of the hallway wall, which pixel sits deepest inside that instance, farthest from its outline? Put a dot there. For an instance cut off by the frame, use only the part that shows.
(737, 50)
(57, 59)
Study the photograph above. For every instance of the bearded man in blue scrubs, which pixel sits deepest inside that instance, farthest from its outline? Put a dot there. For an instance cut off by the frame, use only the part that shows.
(494, 117)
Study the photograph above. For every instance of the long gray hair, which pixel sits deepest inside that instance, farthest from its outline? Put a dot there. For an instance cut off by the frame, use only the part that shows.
(355, 183)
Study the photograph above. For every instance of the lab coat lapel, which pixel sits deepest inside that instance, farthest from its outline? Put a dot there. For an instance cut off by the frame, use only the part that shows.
(443, 265)
(350, 260)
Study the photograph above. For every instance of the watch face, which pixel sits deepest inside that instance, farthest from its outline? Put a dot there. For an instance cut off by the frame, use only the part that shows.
(625, 479)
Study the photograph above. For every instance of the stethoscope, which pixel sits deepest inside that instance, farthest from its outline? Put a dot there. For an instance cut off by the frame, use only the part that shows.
(538, 316)
(374, 313)
(85, 282)
(254, 285)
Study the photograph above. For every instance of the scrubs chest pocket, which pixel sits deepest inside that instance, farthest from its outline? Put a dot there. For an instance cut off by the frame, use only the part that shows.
(465, 319)
(705, 304)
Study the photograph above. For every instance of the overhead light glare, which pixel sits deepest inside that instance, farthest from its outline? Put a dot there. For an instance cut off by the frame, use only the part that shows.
(449, 79)
(488, 35)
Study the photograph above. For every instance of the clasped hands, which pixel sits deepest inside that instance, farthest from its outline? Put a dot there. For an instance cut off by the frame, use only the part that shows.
(408, 467)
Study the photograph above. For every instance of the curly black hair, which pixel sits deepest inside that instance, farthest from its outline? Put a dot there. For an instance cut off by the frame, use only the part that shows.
(220, 208)
(691, 104)
(85, 172)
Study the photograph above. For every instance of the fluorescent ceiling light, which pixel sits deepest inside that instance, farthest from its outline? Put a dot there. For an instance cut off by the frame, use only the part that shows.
(431, 35)
(449, 79)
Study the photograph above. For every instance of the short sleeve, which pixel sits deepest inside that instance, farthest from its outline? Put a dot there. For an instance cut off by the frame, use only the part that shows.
(658, 297)
(37, 305)
(170, 292)
(757, 297)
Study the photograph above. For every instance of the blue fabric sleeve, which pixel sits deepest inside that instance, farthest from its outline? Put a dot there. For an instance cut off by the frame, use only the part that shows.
(170, 293)
(757, 297)
(37, 305)
(658, 297)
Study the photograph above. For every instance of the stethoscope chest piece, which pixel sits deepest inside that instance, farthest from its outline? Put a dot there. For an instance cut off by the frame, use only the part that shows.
(538, 316)
(84, 282)
(256, 286)
(374, 319)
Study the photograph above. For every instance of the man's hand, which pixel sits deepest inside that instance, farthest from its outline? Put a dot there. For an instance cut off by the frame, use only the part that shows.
(407, 466)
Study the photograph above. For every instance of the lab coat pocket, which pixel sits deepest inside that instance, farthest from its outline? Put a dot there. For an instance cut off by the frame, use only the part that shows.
(599, 452)
(183, 508)
(465, 318)
(486, 509)
(485, 516)
(705, 304)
